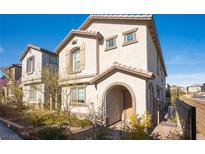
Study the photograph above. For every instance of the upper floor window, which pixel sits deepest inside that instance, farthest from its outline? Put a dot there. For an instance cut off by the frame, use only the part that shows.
(111, 43)
(130, 37)
(76, 60)
(30, 65)
(78, 95)
(52, 60)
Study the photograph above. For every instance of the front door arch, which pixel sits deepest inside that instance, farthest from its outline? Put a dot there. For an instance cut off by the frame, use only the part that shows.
(120, 102)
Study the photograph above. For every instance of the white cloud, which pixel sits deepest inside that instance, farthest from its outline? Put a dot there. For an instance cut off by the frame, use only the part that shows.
(1, 49)
(186, 79)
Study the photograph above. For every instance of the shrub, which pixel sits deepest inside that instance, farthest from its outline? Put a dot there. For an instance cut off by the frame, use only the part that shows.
(139, 127)
(52, 133)
(84, 123)
(46, 118)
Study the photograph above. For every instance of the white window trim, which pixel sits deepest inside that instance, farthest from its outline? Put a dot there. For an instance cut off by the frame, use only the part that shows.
(32, 64)
(73, 61)
(78, 103)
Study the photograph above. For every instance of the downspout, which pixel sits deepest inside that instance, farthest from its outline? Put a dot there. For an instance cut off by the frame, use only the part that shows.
(97, 56)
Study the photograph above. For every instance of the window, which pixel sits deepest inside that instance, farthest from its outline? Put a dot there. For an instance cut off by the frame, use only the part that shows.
(130, 37)
(30, 65)
(52, 60)
(78, 95)
(32, 94)
(76, 60)
(111, 43)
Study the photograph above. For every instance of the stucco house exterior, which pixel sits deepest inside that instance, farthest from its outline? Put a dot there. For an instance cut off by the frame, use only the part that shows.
(113, 61)
(34, 59)
(3, 89)
(196, 88)
(14, 70)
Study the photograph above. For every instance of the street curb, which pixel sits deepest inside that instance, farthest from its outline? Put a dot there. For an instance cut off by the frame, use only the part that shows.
(14, 126)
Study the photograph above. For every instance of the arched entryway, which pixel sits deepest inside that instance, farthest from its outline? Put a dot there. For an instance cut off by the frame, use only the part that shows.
(120, 103)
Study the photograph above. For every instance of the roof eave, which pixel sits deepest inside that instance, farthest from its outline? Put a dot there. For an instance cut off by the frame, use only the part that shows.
(30, 46)
(98, 17)
(150, 76)
(73, 33)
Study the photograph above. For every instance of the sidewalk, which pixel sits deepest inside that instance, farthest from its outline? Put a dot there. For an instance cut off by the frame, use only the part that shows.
(8, 134)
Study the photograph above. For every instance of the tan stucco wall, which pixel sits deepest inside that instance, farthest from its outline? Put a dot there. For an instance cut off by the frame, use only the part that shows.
(142, 55)
(155, 66)
(90, 58)
(36, 75)
(97, 95)
(132, 55)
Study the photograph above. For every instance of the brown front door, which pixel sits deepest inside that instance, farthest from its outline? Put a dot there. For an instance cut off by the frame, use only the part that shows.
(113, 101)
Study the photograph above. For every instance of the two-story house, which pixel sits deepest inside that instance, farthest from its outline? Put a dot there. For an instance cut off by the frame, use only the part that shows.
(14, 76)
(113, 62)
(34, 59)
(3, 89)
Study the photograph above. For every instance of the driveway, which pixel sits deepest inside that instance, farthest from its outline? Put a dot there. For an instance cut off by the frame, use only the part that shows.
(8, 134)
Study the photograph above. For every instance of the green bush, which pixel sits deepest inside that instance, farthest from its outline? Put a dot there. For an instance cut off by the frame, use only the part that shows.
(46, 118)
(84, 123)
(52, 133)
(139, 127)
(176, 93)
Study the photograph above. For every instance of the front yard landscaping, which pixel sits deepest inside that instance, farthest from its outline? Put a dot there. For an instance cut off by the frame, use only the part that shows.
(54, 125)
(43, 124)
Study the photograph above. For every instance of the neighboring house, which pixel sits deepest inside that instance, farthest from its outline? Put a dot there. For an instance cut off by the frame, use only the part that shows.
(3, 89)
(113, 62)
(34, 59)
(196, 88)
(14, 72)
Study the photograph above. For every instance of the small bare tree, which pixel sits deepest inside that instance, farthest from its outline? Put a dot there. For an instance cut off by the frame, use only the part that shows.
(52, 89)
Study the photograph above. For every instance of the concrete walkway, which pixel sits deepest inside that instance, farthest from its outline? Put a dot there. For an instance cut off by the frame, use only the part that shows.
(166, 130)
(8, 134)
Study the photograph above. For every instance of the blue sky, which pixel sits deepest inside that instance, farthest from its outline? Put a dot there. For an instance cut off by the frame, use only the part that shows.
(182, 39)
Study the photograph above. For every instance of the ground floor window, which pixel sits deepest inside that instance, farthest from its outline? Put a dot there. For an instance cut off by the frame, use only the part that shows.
(32, 93)
(78, 95)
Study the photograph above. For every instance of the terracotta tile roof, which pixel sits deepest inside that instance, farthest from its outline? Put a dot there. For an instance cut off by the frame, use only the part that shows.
(128, 69)
(115, 16)
(29, 46)
(74, 32)
(123, 15)
(3, 83)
